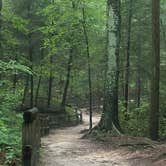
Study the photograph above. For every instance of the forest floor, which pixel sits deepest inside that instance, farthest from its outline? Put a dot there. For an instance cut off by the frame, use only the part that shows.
(64, 147)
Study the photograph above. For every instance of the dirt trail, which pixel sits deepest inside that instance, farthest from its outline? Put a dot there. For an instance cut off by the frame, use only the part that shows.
(64, 147)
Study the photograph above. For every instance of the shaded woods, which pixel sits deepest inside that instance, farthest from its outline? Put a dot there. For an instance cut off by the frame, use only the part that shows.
(104, 57)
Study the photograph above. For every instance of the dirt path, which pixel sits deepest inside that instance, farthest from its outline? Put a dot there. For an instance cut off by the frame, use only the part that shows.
(64, 147)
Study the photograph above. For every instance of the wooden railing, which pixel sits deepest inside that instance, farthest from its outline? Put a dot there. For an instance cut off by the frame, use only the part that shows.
(58, 119)
(37, 125)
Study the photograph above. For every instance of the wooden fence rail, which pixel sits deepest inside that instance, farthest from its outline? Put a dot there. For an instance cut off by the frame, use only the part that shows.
(37, 125)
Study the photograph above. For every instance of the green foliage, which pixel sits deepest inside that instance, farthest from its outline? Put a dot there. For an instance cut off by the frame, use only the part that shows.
(13, 66)
(50, 29)
(71, 113)
(135, 121)
(10, 123)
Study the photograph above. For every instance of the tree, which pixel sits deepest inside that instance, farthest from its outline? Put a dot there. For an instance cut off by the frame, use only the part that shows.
(0, 25)
(30, 52)
(64, 96)
(138, 82)
(1, 50)
(89, 67)
(155, 87)
(50, 83)
(110, 112)
(128, 55)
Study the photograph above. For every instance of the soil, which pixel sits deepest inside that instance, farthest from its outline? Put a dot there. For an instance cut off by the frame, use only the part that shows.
(65, 147)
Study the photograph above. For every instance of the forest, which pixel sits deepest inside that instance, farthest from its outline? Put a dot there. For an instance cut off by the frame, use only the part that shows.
(93, 69)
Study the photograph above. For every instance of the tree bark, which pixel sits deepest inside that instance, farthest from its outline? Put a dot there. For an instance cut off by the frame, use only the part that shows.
(30, 53)
(15, 78)
(128, 57)
(69, 66)
(163, 30)
(37, 90)
(1, 49)
(110, 110)
(25, 93)
(50, 84)
(117, 52)
(155, 87)
(39, 80)
(138, 88)
(138, 83)
(0, 27)
(31, 66)
(89, 68)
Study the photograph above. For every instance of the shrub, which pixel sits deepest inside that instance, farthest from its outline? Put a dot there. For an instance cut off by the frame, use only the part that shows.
(135, 121)
(10, 123)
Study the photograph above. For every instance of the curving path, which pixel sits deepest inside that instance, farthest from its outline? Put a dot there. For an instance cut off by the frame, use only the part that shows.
(64, 147)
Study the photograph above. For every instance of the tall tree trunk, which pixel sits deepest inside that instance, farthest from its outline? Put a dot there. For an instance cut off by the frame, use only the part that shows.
(25, 93)
(110, 110)
(39, 80)
(15, 78)
(14, 82)
(31, 66)
(0, 26)
(138, 88)
(138, 83)
(89, 68)
(50, 84)
(30, 53)
(1, 50)
(117, 52)
(154, 103)
(37, 90)
(163, 30)
(69, 66)
(128, 56)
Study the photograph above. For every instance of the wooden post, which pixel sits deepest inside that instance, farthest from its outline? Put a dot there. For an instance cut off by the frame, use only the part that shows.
(27, 154)
(30, 138)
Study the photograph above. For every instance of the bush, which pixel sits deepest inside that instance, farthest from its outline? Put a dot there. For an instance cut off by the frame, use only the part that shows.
(10, 123)
(71, 114)
(135, 122)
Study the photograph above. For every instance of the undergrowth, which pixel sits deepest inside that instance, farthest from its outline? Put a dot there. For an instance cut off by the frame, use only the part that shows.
(10, 126)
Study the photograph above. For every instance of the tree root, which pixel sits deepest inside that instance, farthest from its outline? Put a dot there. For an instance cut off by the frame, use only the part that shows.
(99, 127)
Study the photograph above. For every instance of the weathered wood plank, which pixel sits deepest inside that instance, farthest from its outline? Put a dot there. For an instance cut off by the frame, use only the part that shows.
(31, 138)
